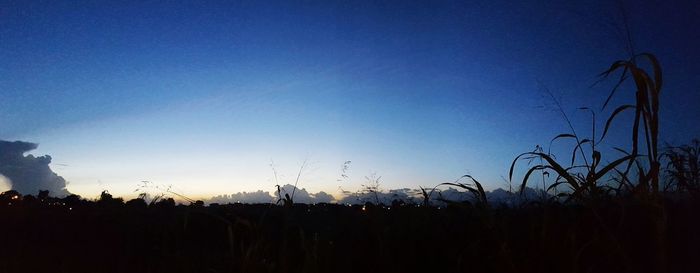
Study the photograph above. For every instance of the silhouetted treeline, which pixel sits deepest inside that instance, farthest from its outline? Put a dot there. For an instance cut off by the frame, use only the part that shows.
(45, 234)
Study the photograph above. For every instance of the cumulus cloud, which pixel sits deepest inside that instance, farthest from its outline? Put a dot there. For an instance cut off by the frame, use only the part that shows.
(243, 197)
(300, 196)
(303, 196)
(412, 196)
(407, 195)
(29, 174)
(5, 183)
(323, 197)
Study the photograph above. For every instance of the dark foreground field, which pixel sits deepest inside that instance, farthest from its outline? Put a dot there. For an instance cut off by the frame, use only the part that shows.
(71, 235)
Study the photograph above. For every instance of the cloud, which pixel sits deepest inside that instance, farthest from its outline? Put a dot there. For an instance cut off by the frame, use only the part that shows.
(300, 196)
(29, 174)
(407, 195)
(243, 197)
(323, 197)
(412, 196)
(5, 183)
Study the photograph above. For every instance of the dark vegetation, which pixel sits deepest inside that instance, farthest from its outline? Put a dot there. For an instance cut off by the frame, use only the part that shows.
(72, 235)
(635, 212)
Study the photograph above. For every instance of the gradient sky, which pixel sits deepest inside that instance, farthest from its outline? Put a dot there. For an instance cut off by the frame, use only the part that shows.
(203, 96)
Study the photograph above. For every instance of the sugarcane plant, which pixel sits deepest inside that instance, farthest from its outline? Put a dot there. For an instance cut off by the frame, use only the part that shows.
(474, 188)
(588, 177)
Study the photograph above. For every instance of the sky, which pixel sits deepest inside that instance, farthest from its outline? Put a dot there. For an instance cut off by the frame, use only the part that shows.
(215, 97)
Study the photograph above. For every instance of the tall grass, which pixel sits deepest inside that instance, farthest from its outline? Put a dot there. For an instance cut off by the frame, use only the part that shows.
(287, 200)
(646, 119)
(683, 168)
(474, 188)
(589, 179)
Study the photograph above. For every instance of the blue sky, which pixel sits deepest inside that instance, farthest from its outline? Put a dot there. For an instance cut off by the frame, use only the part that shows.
(203, 96)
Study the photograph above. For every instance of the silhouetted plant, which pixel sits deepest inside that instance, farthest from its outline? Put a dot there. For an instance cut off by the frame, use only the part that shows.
(683, 168)
(73, 200)
(296, 181)
(344, 171)
(43, 194)
(288, 200)
(587, 179)
(106, 200)
(646, 118)
(164, 203)
(137, 203)
(154, 192)
(476, 189)
(372, 187)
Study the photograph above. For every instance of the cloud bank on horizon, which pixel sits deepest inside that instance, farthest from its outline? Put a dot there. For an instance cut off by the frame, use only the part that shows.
(30, 174)
(405, 195)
